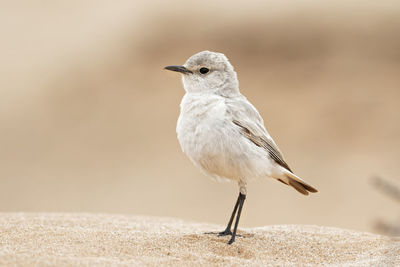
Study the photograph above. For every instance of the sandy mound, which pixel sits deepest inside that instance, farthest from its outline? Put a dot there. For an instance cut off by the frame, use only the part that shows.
(91, 239)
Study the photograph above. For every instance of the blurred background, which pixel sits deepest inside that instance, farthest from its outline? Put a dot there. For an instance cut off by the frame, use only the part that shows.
(88, 115)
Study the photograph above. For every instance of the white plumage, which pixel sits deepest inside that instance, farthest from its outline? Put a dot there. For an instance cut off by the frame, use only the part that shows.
(222, 132)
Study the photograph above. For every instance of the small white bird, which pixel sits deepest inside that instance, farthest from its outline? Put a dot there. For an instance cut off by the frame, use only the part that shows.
(223, 133)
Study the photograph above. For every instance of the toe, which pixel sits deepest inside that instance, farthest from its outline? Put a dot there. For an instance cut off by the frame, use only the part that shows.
(224, 233)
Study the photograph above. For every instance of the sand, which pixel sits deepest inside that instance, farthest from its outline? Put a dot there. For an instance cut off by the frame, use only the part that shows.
(60, 239)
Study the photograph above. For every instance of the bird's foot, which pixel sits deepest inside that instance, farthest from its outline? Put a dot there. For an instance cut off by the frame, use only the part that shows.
(231, 240)
(226, 232)
(223, 233)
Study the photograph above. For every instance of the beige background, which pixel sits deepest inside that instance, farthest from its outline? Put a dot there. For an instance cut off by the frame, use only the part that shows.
(87, 115)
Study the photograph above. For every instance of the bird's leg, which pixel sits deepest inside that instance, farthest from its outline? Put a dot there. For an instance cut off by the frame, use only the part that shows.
(241, 199)
(228, 231)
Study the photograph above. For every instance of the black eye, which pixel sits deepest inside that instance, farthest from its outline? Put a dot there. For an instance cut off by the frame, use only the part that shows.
(204, 70)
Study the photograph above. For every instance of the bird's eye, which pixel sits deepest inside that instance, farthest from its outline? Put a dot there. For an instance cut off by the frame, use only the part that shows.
(204, 70)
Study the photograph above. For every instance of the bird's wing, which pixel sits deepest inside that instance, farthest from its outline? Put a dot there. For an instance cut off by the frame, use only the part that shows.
(247, 118)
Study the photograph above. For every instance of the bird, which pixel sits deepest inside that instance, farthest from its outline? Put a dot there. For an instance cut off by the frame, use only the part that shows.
(223, 134)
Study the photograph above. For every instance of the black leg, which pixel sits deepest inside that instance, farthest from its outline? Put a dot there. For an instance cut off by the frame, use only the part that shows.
(241, 199)
(228, 231)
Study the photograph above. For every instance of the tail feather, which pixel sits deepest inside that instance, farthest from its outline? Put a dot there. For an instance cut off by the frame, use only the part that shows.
(298, 186)
(297, 183)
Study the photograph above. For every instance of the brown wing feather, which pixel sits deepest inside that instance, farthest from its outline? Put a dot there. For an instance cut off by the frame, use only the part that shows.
(264, 143)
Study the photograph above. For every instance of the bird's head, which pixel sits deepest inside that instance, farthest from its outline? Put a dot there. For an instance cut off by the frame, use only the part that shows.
(208, 72)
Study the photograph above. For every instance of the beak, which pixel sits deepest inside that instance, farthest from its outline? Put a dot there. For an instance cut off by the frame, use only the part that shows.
(180, 69)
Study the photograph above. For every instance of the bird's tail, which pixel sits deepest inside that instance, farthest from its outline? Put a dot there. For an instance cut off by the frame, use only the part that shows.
(297, 183)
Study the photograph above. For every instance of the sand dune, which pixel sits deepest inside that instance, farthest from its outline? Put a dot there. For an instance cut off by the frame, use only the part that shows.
(100, 239)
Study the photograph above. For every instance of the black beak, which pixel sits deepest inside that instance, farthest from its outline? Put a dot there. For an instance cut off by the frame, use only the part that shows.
(180, 69)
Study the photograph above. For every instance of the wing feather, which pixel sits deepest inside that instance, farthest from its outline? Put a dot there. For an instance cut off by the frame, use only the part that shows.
(245, 116)
(264, 143)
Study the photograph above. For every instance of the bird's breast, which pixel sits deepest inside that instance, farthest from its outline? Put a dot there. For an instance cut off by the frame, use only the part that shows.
(200, 122)
(207, 135)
